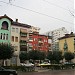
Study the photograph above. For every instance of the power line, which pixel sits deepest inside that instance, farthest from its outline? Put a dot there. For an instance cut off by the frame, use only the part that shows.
(37, 12)
(55, 5)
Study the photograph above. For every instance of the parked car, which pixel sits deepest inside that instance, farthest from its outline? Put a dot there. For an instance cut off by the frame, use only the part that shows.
(4, 71)
(44, 64)
(27, 64)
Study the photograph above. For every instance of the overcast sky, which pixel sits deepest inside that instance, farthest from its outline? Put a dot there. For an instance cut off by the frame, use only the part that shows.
(45, 14)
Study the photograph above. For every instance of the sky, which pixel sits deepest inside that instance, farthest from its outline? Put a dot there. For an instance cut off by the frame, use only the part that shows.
(48, 15)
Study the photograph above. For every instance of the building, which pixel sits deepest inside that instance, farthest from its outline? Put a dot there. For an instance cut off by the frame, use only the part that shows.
(38, 42)
(22, 37)
(5, 31)
(67, 43)
(57, 33)
(19, 39)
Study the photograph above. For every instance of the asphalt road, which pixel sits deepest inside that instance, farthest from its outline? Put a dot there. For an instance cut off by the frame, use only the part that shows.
(60, 72)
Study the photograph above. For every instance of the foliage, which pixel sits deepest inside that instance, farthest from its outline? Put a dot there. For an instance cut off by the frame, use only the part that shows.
(23, 56)
(57, 55)
(54, 56)
(42, 55)
(6, 51)
(34, 54)
(68, 56)
(50, 56)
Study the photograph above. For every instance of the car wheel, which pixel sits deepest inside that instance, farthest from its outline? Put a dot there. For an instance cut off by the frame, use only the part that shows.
(11, 74)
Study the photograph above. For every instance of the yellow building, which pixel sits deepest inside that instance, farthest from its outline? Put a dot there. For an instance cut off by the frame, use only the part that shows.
(67, 43)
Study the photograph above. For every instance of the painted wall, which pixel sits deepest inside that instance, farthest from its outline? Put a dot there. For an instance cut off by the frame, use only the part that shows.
(70, 43)
(5, 31)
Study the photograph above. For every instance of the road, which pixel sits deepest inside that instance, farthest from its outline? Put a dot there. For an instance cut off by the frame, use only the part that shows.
(60, 72)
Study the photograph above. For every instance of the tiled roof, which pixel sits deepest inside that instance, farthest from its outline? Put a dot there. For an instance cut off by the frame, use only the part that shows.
(67, 36)
(5, 16)
(20, 24)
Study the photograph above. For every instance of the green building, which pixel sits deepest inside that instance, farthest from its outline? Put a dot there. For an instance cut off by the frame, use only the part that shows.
(5, 29)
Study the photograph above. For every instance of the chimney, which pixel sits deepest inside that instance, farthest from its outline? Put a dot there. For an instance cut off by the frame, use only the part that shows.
(16, 20)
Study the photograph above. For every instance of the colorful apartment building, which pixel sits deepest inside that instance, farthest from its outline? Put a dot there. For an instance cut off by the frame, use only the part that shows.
(5, 29)
(19, 39)
(22, 37)
(38, 42)
(67, 43)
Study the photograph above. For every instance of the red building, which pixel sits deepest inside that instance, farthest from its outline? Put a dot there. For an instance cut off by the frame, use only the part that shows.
(38, 42)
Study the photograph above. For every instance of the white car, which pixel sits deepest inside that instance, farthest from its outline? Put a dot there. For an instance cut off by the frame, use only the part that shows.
(27, 64)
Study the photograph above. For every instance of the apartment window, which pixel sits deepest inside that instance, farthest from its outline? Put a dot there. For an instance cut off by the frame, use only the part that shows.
(16, 39)
(5, 25)
(6, 36)
(16, 30)
(12, 38)
(1, 36)
(13, 29)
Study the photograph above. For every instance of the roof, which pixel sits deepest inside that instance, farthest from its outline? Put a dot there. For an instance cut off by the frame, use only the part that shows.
(5, 16)
(67, 36)
(20, 24)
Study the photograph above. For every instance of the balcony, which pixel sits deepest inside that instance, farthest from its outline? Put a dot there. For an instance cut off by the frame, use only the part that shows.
(23, 43)
(40, 41)
(23, 48)
(23, 34)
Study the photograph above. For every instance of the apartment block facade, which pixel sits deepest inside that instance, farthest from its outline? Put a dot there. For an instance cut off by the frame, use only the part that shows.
(22, 37)
(60, 32)
(38, 42)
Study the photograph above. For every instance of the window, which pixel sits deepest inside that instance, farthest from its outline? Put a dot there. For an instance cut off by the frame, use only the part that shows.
(13, 29)
(6, 36)
(16, 39)
(12, 38)
(16, 30)
(5, 25)
(1, 36)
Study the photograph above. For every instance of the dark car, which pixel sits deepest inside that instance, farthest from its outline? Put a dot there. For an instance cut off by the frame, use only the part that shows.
(4, 71)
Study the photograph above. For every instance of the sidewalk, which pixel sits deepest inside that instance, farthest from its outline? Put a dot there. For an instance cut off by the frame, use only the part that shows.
(37, 69)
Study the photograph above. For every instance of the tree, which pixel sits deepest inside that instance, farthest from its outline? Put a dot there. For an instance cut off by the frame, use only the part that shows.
(6, 51)
(23, 56)
(34, 54)
(42, 55)
(54, 56)
(68, 56)
(50, 56)
(57, 55)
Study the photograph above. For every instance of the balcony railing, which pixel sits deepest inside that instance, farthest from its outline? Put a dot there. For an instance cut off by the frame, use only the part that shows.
(23, 34)
(22, 42)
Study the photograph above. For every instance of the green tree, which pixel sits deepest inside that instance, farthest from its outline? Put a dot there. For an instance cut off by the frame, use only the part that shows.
(68, 56)
(57, 56)
(23, 56)
(34, 54)
(54, 56)
(6, 51)
(50, 56)
(42, 55)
